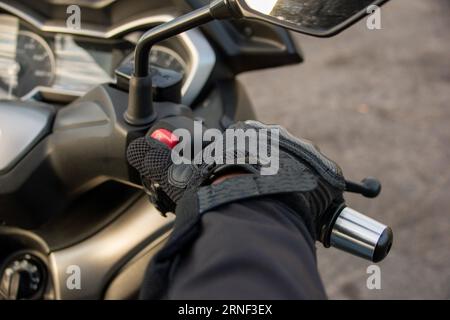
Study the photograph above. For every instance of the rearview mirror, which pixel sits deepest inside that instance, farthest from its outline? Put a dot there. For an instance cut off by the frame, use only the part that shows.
(322, 18)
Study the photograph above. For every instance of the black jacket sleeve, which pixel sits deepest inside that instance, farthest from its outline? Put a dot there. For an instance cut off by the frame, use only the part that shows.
(254, 249)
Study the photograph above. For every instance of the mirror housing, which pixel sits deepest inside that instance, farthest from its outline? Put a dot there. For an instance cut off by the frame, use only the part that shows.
(321, 18)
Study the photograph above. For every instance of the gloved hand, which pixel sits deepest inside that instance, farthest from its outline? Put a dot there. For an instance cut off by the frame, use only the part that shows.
(307, 181)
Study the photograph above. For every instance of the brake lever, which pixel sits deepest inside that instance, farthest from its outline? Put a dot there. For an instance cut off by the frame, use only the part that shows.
(369, 187)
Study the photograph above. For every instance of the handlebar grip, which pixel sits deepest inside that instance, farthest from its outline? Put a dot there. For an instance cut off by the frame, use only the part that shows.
(360, 235)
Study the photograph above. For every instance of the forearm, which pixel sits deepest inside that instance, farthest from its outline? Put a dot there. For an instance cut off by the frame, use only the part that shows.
(256, 249)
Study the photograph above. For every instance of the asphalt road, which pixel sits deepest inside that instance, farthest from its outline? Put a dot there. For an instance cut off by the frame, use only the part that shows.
(378, 102)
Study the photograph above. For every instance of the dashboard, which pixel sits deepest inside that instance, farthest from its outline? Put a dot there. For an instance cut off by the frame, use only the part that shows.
(46, 61)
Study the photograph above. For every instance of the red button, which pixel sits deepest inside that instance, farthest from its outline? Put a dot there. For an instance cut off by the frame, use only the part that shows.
(166, 137)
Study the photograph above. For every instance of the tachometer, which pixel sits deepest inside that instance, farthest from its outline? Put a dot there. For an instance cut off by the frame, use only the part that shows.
(167, 58)
(33, 66)
(164, 57)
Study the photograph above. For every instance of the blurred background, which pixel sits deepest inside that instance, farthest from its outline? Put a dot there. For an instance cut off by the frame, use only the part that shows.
(378, 102)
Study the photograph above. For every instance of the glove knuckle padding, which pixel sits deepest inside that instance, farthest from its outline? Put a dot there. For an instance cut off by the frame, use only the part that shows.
(180, 175)
(306, 151)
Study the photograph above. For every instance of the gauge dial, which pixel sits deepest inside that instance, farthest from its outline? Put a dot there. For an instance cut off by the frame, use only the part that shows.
(34, 65)
(167, 58)
(164, 57)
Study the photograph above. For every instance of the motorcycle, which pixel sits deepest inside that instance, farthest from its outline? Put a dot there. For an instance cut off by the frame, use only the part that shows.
(76, 222)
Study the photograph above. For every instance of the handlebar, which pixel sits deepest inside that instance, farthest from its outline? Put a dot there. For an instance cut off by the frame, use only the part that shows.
(356, 233)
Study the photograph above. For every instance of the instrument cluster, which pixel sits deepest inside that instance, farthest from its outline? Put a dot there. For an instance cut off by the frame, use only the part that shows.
(62, 66)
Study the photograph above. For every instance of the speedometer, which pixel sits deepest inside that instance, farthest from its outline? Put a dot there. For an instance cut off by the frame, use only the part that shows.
(33, 66)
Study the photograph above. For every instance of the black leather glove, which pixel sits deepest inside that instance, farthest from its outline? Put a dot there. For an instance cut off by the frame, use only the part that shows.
(306, 180)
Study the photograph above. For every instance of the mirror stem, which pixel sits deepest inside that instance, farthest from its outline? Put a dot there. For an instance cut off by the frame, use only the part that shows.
(140, 110)
(165, 31)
